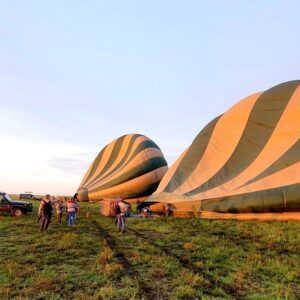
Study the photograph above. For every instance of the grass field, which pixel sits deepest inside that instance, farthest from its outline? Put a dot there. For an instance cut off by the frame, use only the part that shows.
(154, 259)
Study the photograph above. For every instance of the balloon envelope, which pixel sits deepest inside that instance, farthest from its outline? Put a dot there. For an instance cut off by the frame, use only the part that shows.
(243, 164)
(130, 167)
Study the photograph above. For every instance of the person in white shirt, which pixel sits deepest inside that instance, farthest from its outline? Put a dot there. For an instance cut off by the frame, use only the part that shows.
(121, 212)
(59, 210)
(72, 208)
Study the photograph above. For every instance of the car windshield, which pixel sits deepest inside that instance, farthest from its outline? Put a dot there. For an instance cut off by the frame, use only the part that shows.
(7, 197)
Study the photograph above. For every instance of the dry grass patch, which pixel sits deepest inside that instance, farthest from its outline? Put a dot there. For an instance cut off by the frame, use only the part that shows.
(66, 241)
(31, 250)
(191, 246)
(192, 279)
(113, 270)
(104, 293)
(157, 272)
(12, 267)
(184, 292)
(105, 256)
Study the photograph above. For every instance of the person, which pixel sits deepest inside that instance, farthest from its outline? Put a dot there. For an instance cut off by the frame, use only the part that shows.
(45, 213)
(128, 210)
(167, 209)
(72, 207)
(139, 206)
(59, 210)
(75, 198)
(146, 212)
(121, 212)
(66, 208)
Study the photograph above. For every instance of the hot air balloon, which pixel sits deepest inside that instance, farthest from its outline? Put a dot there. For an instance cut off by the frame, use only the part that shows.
(130, 167)
(244, 164)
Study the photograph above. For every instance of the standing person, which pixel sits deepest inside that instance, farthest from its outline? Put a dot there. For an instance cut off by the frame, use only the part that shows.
(59, 210)
(75, 198)
(139, 206)
(66, 208)
(71, 209)
(167, 209)
(45, 213)
(121, 211)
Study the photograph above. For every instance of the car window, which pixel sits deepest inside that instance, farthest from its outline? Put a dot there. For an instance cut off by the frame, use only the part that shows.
(1, 198)
(7, 197)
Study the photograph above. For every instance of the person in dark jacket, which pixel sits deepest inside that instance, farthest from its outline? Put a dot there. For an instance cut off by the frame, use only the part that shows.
(45, 213)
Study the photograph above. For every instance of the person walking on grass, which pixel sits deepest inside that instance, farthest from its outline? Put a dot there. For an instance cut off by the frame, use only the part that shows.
(71, 208)
(121, 212)
(59, 210)
(45, 213)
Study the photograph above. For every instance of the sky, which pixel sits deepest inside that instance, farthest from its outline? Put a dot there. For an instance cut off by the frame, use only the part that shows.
(75, 75)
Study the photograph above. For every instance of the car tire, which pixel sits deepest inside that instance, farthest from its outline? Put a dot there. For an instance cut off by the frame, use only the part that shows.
(17, 212)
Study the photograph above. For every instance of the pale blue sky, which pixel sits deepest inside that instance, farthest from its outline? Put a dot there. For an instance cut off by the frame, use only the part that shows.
(74, 75)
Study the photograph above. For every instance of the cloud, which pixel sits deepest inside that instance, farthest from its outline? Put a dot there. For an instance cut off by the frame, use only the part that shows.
(73, 164)
(49, 166)
(42, 165)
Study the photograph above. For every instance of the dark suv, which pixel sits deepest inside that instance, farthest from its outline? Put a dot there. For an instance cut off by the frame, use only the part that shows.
(28, 196)
(15, 208)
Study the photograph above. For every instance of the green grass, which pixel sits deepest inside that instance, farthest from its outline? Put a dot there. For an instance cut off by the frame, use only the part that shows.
(155, 259)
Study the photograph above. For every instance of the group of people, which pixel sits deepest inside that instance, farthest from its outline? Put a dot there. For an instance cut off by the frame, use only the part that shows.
(71, 207)
(123, 210)
(144, 210)
(46, 207)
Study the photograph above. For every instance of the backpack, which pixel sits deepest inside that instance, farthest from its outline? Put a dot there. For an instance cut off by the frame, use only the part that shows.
(113, 208)
(47, 208)
(118, 209)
